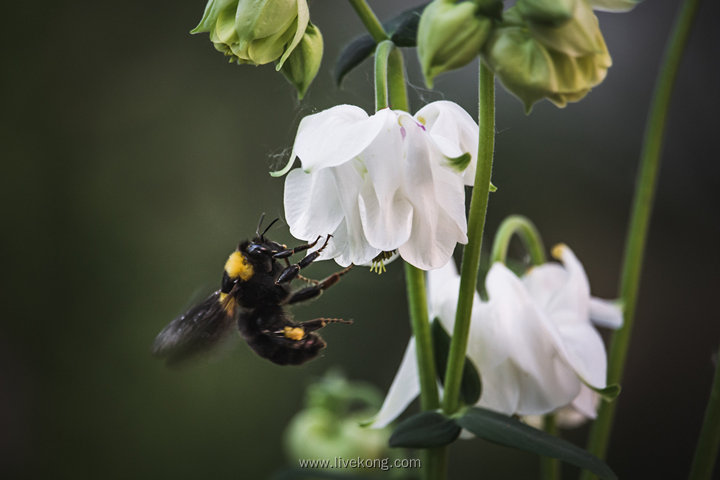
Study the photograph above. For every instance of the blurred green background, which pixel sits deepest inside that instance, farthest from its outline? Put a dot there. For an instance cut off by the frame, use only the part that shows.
(134, 158)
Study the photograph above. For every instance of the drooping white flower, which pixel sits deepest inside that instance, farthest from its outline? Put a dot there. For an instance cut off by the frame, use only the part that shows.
(390, 181)
(532, 342)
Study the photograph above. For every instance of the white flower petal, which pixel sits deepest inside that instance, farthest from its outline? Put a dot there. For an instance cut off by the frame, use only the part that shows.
(544, 380)
(312, 206)
(571, 302)
(606, 313)
(442, 287)
(586, 402)
(454, 132)
(385, 228)
(334, 136)
(584, 351)
(544, 281)
(404, 389)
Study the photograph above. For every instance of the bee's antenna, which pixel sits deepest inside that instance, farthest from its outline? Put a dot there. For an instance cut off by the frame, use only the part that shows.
(262, 235)
(257, 230)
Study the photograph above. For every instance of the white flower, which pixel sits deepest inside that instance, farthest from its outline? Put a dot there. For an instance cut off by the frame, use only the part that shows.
(390, 181)
(532, 342)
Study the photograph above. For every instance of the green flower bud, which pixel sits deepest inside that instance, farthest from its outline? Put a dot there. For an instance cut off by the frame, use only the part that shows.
(330, 425)
(532, 71)
(255, 31)
(580, 35)
(547, 12)
(450, 35)
(304, 62)
(317, 434)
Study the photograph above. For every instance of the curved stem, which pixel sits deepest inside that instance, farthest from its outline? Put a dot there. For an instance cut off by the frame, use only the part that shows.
(382, 53)
(523, 228)
(371, 22)
(471, 253)
(640, 219)
(709, 441)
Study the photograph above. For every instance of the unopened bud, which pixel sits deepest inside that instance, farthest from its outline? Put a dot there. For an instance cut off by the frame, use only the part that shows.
(255, 31)
(450, 35)
(532, 71)
(303, 64)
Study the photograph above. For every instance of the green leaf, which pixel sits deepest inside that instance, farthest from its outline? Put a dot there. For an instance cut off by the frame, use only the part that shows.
(501, 429)
(402, 30)
(493, 188)
(352, 55)
(471, 386)
(425, 430)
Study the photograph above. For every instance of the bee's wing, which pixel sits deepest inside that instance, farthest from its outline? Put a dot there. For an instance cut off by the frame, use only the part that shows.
(197, 330)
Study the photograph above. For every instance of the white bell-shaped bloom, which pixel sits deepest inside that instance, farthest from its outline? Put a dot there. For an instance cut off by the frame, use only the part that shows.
(532, 342)
(390, 181)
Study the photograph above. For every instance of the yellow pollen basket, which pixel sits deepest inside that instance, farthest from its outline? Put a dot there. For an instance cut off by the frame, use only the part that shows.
(237, 266)
(294, 333)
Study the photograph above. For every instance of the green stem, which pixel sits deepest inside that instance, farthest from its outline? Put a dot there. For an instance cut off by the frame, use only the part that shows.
(637, 232)
(382, 54)
(709, 441)
(550, 467)
(390, 85)
(417, 302)
(523, 228)
(371, 22)
(471, 253)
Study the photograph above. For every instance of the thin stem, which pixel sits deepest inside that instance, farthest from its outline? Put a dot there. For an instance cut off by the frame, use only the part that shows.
(528, 233)
(435, 459)
(396, 80)
(550, 467)
(371, 22)
(640, 219)
(476, 225)
(417, 302)
(709, 440)
(382, 53)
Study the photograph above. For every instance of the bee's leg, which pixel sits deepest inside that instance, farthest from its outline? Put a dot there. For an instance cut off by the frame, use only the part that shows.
(315, 290)
(292, 251)
(292, 271)
(299, 331)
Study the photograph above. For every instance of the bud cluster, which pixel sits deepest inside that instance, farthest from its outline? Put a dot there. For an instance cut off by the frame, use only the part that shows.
(258, 32)
(539, 49)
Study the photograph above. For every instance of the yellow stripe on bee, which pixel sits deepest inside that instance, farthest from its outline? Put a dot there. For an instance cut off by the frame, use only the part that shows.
(237, 266)
(228, 303)
(294, 333)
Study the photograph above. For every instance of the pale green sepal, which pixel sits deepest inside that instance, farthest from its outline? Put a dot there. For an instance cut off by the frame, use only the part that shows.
(303, 19)
(285, 169)
(576, 37)
(493, 188)
(210, 15)
(450, 35)
(614, 5)
(460, 163)
(547, 12)
(302, 66)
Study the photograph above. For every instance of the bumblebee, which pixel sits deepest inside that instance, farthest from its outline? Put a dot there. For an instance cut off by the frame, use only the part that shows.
(254, 292)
